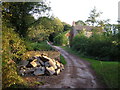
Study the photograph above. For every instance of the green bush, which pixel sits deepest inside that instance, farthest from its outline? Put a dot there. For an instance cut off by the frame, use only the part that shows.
(38, 33)
(31, 46)
(61, 39)
(99, 46)
(12, 50)
(79, 43)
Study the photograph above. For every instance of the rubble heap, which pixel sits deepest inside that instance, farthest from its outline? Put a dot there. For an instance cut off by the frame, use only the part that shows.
(40, 65)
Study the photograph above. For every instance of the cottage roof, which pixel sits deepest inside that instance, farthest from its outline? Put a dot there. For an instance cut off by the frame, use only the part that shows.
(79, 27)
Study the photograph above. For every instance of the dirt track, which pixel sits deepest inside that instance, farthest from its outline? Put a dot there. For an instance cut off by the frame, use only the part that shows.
(77, 74)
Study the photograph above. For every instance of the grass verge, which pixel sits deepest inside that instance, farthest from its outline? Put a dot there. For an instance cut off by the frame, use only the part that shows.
(62, 60)
(107, 71)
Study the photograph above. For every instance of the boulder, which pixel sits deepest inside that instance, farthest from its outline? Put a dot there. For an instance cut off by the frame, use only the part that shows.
(50, 70)
(39, 71)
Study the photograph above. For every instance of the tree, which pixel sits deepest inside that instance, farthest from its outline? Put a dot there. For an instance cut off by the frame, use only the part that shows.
(18, 14)
(57, 27)
(92, 19)
(80, 22)
(45, 28)
(66, 26)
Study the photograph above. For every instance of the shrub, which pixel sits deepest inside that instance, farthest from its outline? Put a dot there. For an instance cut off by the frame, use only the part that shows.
(61, 39)
(38, 33)
(98, 46)
(12, 49)
(37, 46)
(79, 43)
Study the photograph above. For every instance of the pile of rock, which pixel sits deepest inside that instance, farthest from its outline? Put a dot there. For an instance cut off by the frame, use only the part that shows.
(40, 65)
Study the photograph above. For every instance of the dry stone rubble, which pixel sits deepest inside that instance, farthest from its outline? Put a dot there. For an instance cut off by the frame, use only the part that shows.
(40, 65)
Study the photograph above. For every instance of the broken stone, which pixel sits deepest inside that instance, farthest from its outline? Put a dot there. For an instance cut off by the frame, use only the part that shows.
(29, 71)
(29, 65)
(41, 62)
(58, 64)
(51, 70)
(31, 59)
(47, 64)
(57, 71)
(35, 63)
(21, 72)
(24, 62)
(53, 64)
(61, 67)
(45, 58)
(39, 71)
(21, 67)
(40, 65)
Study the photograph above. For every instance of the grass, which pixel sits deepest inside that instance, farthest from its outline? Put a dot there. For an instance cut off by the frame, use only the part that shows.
(106, 71)
(62, 60)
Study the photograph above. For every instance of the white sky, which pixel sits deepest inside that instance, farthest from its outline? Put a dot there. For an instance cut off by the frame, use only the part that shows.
(73, 10)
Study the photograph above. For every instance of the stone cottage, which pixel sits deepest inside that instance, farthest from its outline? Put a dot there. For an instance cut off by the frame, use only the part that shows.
(78, 28)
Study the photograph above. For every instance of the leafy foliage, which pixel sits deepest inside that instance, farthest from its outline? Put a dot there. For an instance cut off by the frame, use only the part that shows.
(38, 33)
(67, 27)
(61, 39)
(19, 14)
(45, 28)
(93, 18)
(31, 46)
(12, 49)
(99, 46)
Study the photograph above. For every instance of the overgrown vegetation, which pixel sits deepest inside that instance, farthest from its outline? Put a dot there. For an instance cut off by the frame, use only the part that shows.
(100, 46)
(107, 72)
(12, 49)
(45, 29)
(33, 46)
(61, 39)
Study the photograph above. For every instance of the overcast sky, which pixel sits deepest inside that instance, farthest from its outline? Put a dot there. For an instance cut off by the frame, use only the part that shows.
(73, 10)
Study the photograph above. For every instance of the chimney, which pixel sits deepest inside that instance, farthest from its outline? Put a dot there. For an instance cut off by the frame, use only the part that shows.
(73, 23)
